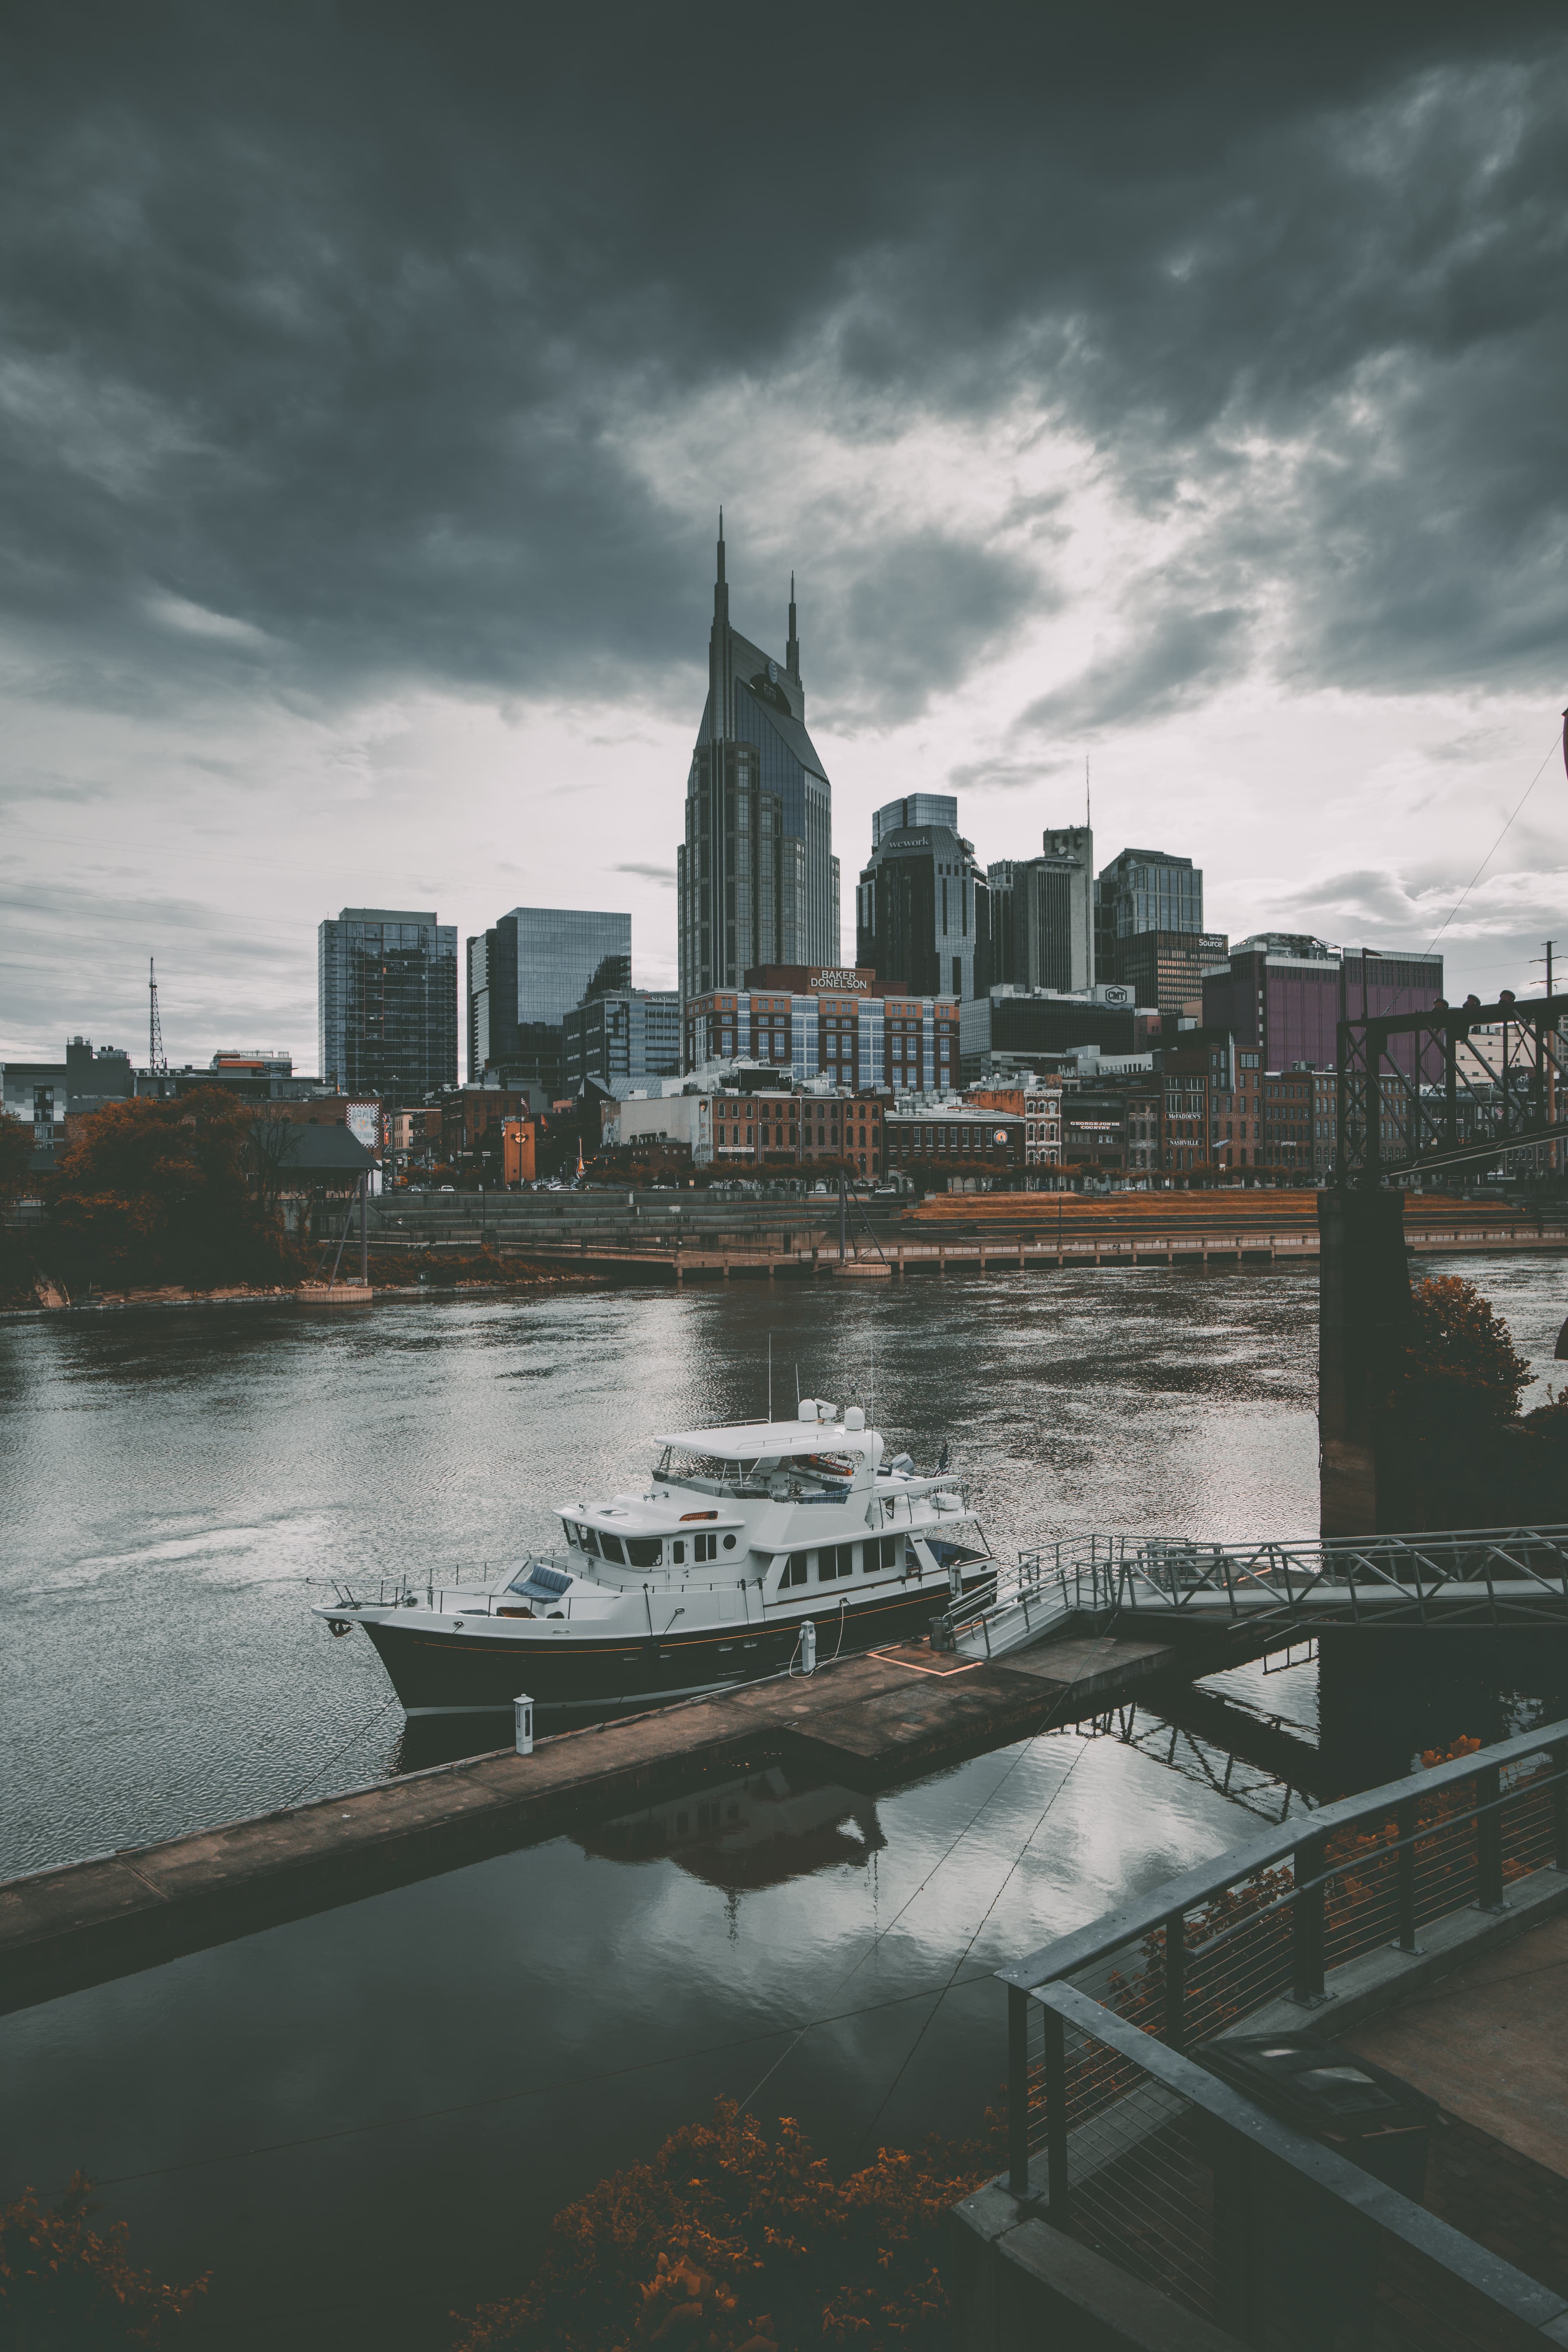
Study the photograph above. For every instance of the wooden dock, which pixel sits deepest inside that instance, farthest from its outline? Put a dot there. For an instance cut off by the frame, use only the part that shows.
(867, 1721)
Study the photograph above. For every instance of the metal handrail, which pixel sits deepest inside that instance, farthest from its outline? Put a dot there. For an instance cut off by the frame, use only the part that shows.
(1487, 2273)
(1266, 1847)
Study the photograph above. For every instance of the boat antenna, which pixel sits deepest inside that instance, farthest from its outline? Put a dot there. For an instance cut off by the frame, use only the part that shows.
(770, 1379)
(871, 1399)
(797, 1392)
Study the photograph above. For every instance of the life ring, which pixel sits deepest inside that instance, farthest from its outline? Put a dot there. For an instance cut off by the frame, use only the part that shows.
(338, 1627)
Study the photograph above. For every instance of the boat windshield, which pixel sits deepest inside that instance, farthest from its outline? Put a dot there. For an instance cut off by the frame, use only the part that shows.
(709, 1473)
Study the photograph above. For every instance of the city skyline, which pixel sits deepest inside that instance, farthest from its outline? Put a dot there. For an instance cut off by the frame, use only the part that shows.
(1116, 438)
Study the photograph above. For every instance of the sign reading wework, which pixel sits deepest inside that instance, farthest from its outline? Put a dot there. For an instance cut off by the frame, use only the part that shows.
(820, 982)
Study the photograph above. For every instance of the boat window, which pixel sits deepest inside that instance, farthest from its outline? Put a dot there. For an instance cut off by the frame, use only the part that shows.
(837, 1559)
(644, 1551)
(611, 1547)
(678, 1554)
(794, 1570)
(704, 1547)
(729, 1543)
(588, 1539)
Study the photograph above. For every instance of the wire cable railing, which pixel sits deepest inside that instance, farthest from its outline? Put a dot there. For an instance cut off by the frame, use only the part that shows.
(1122, 2136)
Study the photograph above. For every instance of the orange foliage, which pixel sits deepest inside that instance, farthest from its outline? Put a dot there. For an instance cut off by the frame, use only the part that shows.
(730, 2240)
(62, 2284)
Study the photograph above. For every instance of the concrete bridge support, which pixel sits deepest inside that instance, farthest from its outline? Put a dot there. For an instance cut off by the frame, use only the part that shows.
(1364, 1322)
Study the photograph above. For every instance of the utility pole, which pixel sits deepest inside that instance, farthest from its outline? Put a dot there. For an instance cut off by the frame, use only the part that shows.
(1550, 1061)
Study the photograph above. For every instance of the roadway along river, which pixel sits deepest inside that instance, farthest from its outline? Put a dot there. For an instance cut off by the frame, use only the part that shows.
(366, 2118)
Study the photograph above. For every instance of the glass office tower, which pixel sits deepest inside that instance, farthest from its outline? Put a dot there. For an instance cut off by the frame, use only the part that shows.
(524, 976)
(387, 1003)
(757, 882)
(1144, 890)
(922, 907)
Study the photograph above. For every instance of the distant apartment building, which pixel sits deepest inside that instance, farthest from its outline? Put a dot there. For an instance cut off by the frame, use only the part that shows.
(533, 966)
(43, 1095)
(846, 1024)
(1042, 914)
(922, 905)
(387, 1002)
(627, 1033)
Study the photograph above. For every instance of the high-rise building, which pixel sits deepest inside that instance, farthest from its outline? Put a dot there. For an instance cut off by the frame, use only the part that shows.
(1042, 914)
(913, 811)
(526, 974)
(922, 907)
(1144, 890)
(1165, 969)
(387, 1003)
(626, 1032)
(756, 879)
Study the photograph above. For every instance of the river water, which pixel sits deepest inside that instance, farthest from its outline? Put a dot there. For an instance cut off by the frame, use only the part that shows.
(364, 2120)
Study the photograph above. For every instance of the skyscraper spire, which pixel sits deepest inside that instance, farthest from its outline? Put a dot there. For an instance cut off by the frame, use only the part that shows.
(791, 650)
(720, 589)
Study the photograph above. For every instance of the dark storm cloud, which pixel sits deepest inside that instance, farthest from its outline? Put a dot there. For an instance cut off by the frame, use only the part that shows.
(326, 329)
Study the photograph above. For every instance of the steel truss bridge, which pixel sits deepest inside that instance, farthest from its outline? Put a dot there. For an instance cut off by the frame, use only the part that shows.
(1413, 1095)
(1272, 1593)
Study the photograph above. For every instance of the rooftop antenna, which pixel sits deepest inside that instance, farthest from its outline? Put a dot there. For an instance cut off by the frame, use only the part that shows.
(1088, 817)
(155, 1061)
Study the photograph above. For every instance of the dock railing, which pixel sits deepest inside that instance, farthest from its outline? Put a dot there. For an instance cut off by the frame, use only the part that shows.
(1115, 2132)
(1165, 2170)
(1274, 1915)
(1495, 1575)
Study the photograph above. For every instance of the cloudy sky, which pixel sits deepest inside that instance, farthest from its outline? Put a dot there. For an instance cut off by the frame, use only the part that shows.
(1179, 388)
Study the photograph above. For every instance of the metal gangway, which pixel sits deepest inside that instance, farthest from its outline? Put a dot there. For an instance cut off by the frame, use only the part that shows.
(1466, 1576)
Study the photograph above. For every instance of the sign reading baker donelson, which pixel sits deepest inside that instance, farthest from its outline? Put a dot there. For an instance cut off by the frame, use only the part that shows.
(821, 982)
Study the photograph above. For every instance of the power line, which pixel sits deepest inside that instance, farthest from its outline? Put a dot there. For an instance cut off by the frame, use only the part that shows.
(1493, 850)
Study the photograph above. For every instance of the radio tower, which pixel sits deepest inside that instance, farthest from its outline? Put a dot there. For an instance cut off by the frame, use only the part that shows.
(155, 1061)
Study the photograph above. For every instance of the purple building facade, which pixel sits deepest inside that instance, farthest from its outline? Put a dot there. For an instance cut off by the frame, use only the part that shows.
(1279, 995)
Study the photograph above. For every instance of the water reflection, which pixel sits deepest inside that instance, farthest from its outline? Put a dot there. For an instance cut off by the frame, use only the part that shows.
(759, 1831)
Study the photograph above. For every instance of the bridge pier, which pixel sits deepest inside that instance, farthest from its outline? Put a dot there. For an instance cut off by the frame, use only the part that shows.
(1364, 1320)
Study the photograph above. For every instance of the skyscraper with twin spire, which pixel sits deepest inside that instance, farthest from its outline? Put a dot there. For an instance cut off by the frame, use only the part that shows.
(756, 877)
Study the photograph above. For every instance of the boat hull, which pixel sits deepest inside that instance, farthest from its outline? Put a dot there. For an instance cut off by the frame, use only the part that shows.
(571, 1676)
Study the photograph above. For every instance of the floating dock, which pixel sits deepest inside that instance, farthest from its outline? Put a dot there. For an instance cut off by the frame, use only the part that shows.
(868, 1721)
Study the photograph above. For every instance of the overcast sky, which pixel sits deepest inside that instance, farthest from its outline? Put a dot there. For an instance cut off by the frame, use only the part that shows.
(1180, 388)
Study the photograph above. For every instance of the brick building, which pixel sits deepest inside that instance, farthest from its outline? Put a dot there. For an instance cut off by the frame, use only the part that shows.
(954, 1143)
(843, 1024)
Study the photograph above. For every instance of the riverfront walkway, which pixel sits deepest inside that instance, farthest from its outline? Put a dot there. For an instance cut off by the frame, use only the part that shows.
(670, 1238)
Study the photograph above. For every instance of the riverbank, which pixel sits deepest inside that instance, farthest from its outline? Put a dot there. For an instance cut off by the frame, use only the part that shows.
(170, 1298)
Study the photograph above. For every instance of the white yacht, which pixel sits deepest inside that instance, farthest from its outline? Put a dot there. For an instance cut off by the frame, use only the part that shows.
(704, 1578)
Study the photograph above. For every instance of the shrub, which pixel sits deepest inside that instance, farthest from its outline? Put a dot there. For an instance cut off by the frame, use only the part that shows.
(64, 2288)
(735, 2240)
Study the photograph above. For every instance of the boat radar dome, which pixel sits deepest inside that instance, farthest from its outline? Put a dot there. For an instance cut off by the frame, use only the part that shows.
(806, 1408)
(855, 1418)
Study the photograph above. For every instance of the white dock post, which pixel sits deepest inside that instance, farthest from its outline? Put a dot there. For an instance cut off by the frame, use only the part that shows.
(523, 1708)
